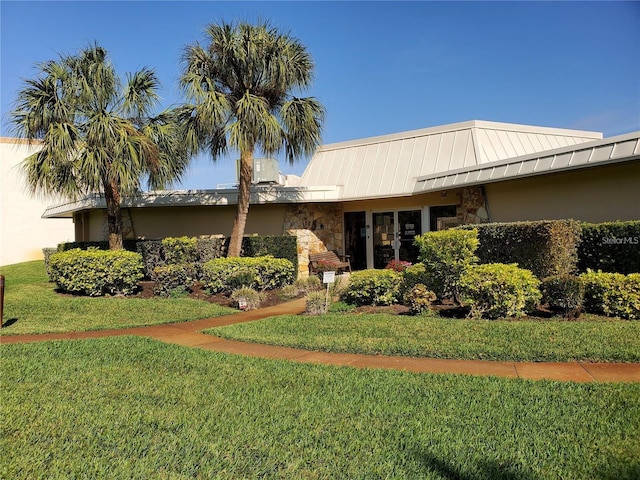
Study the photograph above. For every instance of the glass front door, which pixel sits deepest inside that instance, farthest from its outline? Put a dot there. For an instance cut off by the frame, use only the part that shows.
(384, 238)
(409, 225)
(393, 236)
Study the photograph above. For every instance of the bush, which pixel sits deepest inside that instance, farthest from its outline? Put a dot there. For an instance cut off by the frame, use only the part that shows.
(317, 303)
(412, 276)
(564, 294)
(446, 255)
(398, 265)
(180, 250)
(174, 279)
(497, 290)
(547, 247)
(260, 273)
(373, 287)
(152, 255)
(308, 284)
(96, 272)
(419, 299)
(610, 247)
(612, 294)
(278, 246)
(209, 249)
(46, 253)
(247, 298)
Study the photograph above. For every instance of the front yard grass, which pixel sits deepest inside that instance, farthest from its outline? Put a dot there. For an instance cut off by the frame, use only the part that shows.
(32, 306)
(131, 407)
(593, 338)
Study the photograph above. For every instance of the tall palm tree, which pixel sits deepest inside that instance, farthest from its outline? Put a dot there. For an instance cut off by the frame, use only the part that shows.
(241, 87)
(97, 134)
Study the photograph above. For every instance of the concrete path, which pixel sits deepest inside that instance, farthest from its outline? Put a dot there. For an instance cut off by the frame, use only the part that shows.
(187, 334)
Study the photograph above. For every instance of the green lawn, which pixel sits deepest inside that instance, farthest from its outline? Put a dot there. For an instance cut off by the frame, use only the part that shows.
(130, 407)
(32, 306)
(598, 339)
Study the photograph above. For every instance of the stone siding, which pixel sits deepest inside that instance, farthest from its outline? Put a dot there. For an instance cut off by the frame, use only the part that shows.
(318, 227)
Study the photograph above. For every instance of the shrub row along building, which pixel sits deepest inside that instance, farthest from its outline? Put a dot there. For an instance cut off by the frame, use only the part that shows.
(369, 198)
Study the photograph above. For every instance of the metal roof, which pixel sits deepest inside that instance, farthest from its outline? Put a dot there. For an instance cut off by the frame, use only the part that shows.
(600, 152)
(389, 165)
(409, 163)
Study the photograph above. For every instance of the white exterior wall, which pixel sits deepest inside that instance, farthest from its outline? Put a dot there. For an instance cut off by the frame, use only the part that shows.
(23, 233)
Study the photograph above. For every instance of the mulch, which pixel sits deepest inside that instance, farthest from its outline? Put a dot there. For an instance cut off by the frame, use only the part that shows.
(198, 292)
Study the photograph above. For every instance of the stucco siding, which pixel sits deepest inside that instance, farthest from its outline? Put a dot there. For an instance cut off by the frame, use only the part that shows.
(164, 222)
(23, 231)
(599, 194)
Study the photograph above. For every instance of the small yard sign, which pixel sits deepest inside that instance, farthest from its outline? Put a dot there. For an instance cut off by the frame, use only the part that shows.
(328, 277)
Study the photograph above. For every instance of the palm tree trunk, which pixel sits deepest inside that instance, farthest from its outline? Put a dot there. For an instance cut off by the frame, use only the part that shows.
(114, 217)
(244, 193)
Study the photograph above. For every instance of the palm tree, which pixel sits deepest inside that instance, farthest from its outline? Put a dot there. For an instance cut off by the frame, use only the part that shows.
(241, 87)
(97, 135)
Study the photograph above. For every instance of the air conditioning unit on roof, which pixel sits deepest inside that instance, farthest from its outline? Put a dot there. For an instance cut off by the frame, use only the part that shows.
(265, 171)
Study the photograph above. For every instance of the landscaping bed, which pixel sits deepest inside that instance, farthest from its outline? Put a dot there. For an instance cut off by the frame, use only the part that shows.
(198, 292)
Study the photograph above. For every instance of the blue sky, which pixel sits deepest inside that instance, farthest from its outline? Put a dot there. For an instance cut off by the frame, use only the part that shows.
(381, 67)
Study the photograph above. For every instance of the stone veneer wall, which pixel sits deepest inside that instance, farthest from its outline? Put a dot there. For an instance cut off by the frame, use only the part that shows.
(473, 200)
(318, 227)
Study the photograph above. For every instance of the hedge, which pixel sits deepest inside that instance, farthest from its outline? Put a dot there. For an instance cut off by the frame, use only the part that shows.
(176, 250)
(612, 294)
(547, 247)
(96, 272)
(260, 273)
(610, 247)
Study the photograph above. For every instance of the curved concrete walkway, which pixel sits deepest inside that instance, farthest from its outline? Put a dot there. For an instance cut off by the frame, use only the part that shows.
(188, 334)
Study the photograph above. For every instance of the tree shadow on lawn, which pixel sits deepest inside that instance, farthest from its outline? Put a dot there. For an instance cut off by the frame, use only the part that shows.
(488, 469)
(8, 322)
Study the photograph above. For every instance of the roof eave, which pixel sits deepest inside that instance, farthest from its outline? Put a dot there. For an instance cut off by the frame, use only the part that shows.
(545, 163)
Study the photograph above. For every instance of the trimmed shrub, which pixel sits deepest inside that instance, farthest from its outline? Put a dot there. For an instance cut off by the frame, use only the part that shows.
(612, 294)
(209, 249)
(180, 250)
(174, 279)
(260, 273)
(373, 287)
(564, 294)
(152, 255)
(96, 272)
(446, 255)
(419, 299)
(278, 246)
(547, 247)
(247, 298)
(317, 303)
(46, 254)
(610, 247)
(497, 290)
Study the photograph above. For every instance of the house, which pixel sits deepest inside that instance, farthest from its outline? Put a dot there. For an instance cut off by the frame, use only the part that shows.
(23, 231)
(369, 198)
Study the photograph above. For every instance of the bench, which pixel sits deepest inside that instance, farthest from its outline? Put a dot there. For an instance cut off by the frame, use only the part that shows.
(319, 260)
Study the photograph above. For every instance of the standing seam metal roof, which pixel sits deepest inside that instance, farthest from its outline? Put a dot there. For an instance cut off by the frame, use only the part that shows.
(389, 165)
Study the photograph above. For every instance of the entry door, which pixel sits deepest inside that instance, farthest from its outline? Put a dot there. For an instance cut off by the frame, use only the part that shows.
(393, 236)
(384, 238)
(409, 225)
